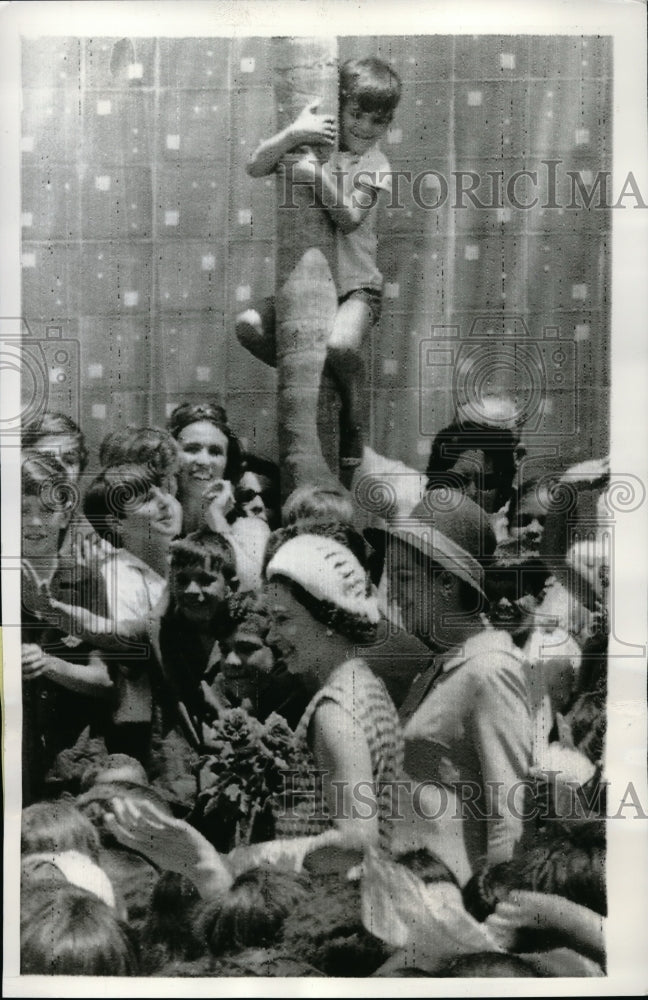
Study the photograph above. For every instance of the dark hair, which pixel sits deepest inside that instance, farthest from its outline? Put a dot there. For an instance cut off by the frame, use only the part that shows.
(561, 867)
(549, 483)
(253, 910)
(270, 493)
(150, 446)
(321, 503)
(509, 578)
(113, 494)
(207, 549)
(168, 933)
(372, 83)
(455, 439)
(55, 424)
(68, 931)
(43, 476)
(57, 826)
(429, 868)
(251, 607)
(191, 413)
(352, 626)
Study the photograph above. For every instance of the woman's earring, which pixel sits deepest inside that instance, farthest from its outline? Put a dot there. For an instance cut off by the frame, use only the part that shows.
(329, 632)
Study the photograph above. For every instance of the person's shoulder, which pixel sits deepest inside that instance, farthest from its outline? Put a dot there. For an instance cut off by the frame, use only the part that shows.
(491, 654)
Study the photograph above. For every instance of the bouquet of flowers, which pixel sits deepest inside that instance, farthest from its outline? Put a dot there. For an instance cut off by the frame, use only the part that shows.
(242, 779)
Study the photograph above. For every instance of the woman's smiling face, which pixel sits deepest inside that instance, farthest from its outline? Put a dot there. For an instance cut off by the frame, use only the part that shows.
(203, 456)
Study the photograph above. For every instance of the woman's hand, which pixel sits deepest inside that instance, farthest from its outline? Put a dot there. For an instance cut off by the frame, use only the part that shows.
(218, 501)
(171, 844)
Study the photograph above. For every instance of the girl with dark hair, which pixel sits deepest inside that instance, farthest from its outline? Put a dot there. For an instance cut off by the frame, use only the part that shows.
(210, 468)
(209, 454)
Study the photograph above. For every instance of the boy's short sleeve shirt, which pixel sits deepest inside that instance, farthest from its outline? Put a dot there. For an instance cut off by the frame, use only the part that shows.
(356, 251)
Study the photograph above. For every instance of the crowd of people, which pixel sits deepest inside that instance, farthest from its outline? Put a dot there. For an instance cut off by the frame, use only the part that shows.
(360, 733)
(266, 740)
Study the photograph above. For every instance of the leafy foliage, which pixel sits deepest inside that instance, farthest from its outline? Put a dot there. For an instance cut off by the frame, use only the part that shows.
(243, 778)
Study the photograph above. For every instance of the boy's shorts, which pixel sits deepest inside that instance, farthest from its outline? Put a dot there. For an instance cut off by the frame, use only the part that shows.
(371, 296)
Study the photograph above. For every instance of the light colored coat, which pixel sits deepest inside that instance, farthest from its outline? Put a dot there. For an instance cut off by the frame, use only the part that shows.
(468, 727)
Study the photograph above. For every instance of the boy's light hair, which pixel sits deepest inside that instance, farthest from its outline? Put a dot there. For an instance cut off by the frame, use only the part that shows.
(372, 83)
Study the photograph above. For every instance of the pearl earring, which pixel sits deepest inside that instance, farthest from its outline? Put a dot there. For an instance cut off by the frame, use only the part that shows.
(329, 632)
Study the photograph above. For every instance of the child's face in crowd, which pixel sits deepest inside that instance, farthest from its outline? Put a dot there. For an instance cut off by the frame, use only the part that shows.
(199, 593)
(246, 657)
(203, 456)
(65, 448)
(154, 517)
(360, 130)
(528, 521)
(41, 527)
(483, 484)
(250, 490)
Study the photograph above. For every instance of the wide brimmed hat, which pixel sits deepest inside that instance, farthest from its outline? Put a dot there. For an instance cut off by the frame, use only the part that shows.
(328, 571)
(450, 529)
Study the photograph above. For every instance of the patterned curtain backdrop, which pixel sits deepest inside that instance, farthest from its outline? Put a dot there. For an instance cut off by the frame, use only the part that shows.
(143, 236)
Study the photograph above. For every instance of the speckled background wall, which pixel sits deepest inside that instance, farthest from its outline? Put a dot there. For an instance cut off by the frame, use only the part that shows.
(143, 235)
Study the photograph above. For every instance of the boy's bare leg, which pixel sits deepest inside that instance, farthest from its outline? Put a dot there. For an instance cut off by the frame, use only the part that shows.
(352, 323)
(255, 331)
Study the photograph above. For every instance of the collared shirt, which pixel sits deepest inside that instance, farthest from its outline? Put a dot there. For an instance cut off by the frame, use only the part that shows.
(467, 725)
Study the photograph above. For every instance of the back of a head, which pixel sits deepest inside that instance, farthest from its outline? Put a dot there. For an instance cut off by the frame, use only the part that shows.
(68, 931)
(253, 910)
(317, 503)
(486, 965)
(57, 826)
(168, 932)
